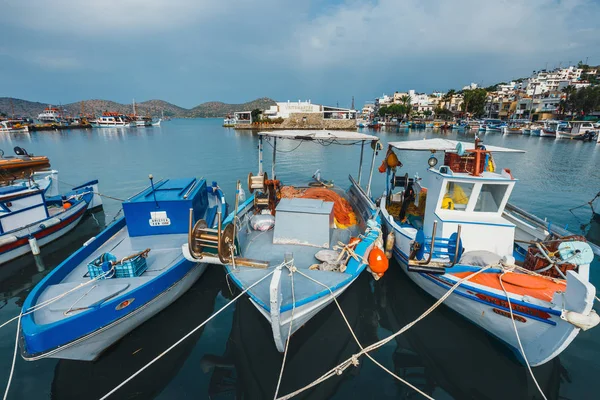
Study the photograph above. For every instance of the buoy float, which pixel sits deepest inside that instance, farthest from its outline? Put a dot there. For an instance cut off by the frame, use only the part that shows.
(378, 263)
(35, 249)
(389, 244)
(66, 205)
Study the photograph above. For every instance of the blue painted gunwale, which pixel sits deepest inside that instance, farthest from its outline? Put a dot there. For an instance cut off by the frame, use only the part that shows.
(39, 339)
(353, 265)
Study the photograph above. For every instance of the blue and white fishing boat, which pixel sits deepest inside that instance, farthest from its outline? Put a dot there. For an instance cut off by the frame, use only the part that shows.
(295, 248)
(120, 278)
(494, 125)
(33, 214)
(456, 230)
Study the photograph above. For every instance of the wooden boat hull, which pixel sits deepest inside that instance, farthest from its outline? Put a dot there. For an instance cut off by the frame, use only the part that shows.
(25, 162)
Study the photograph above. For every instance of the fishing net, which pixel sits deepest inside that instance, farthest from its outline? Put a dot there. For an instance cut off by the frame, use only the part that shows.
(342, 210)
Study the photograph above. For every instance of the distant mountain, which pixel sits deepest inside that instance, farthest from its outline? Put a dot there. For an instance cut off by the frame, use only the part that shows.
(25, 108)
(218, 109)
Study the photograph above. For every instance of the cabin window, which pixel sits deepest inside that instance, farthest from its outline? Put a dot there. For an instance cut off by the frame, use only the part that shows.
(457, 196)
(490, 197)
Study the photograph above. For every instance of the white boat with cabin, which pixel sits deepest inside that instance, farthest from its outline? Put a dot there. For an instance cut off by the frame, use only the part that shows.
(455, 232)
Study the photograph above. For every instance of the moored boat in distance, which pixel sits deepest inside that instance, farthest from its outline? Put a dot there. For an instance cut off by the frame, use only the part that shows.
(578, 130)
(121, 277)
(290, 246)
(549, 129)
(455, 233)
(50, 115)
(12, 126)
(229, 121)
(112, 119)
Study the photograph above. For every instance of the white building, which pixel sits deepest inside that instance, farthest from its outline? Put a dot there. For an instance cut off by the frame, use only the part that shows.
(471, 86)
(285, 109)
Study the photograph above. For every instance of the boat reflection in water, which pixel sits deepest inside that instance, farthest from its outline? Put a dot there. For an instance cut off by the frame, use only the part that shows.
(92, 380)
(251, 364)
(445, 355)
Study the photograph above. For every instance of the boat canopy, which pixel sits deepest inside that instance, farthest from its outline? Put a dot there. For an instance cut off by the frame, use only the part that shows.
(320, 135)
(439, 144)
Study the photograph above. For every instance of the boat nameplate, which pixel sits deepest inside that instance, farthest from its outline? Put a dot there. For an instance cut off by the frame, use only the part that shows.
(159, 218)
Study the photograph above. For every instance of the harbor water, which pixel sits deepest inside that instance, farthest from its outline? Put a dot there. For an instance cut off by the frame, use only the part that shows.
(234, 356)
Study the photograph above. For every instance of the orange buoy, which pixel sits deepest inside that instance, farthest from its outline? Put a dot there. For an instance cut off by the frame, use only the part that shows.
(383, 167)
(66, 205)
(378, 262)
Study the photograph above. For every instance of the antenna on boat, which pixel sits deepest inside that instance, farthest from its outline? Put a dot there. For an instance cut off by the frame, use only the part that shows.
(153, 190)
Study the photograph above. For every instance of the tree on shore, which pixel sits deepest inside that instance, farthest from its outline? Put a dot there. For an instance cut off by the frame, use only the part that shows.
(474, 102)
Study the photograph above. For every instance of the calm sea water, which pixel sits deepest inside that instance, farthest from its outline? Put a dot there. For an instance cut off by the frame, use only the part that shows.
(233, 356)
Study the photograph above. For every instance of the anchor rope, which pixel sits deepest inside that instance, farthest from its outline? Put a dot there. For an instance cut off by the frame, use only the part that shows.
(340, 368)
(14, 360)
(292, 269)
(512, 317)
(177, 343)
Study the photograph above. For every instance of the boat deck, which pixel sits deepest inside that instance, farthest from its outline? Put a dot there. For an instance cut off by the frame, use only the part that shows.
(165, 253)
(260, 247)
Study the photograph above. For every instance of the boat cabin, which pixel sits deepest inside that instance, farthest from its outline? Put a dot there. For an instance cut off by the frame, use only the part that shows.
(465, 191)
(579, 127)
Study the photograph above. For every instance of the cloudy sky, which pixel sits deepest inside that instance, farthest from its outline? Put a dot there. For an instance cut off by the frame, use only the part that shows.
(191, 51)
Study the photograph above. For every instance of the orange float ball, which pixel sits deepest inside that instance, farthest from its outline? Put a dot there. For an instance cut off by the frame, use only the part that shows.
(67, 205)
(378, 262)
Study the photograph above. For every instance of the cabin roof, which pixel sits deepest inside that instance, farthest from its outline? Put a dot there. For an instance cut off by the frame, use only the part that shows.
(439, 144)
(170, 190)
(319, 135)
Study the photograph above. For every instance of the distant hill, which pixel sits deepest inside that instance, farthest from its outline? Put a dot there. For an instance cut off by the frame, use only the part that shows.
(218, 109)
(151, 107)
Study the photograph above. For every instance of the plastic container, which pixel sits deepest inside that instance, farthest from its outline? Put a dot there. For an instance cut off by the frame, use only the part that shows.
(127, 269)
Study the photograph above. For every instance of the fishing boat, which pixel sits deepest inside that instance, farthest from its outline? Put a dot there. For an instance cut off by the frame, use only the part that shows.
(50, 115)
(229, 122)
(295, 248)
(514, 128)
(33, 214)
(456, 227)
(494, 125)
(142, 121)
(535, 129)
(578, 130)
(136, 267)
(157, 123)
(12, 126)
(113, 119)
(21, 159)
(549, 129)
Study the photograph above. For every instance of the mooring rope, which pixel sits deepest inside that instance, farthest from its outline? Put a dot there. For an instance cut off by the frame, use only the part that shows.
(355, 361)
(35, 308)
(340, 368)
(292, 270)
(512, 317)
(177, 343)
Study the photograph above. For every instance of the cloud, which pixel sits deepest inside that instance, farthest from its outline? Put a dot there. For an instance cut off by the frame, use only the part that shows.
(109, 17)
(55, 62)
(389, 29)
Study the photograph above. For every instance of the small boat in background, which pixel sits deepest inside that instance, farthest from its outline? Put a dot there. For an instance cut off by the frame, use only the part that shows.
(513, 128)
(229, 122)
(137, 269)
(549, 129)
(21, 160)
(157, 123)
(12, 126)
(111, 120)
(494, 125)
(578, 130)
(34, 211)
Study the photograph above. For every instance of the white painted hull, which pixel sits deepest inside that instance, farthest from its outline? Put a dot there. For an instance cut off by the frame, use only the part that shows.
(89, 347)
(24, 129)
(543, 333)
(544, 133)
(280, 323)
(24, 249)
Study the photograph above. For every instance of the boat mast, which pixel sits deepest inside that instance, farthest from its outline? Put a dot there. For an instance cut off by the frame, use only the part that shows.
(134, 108)
(374, 145)
(260, 155)
(362, 151)
(274, 156)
